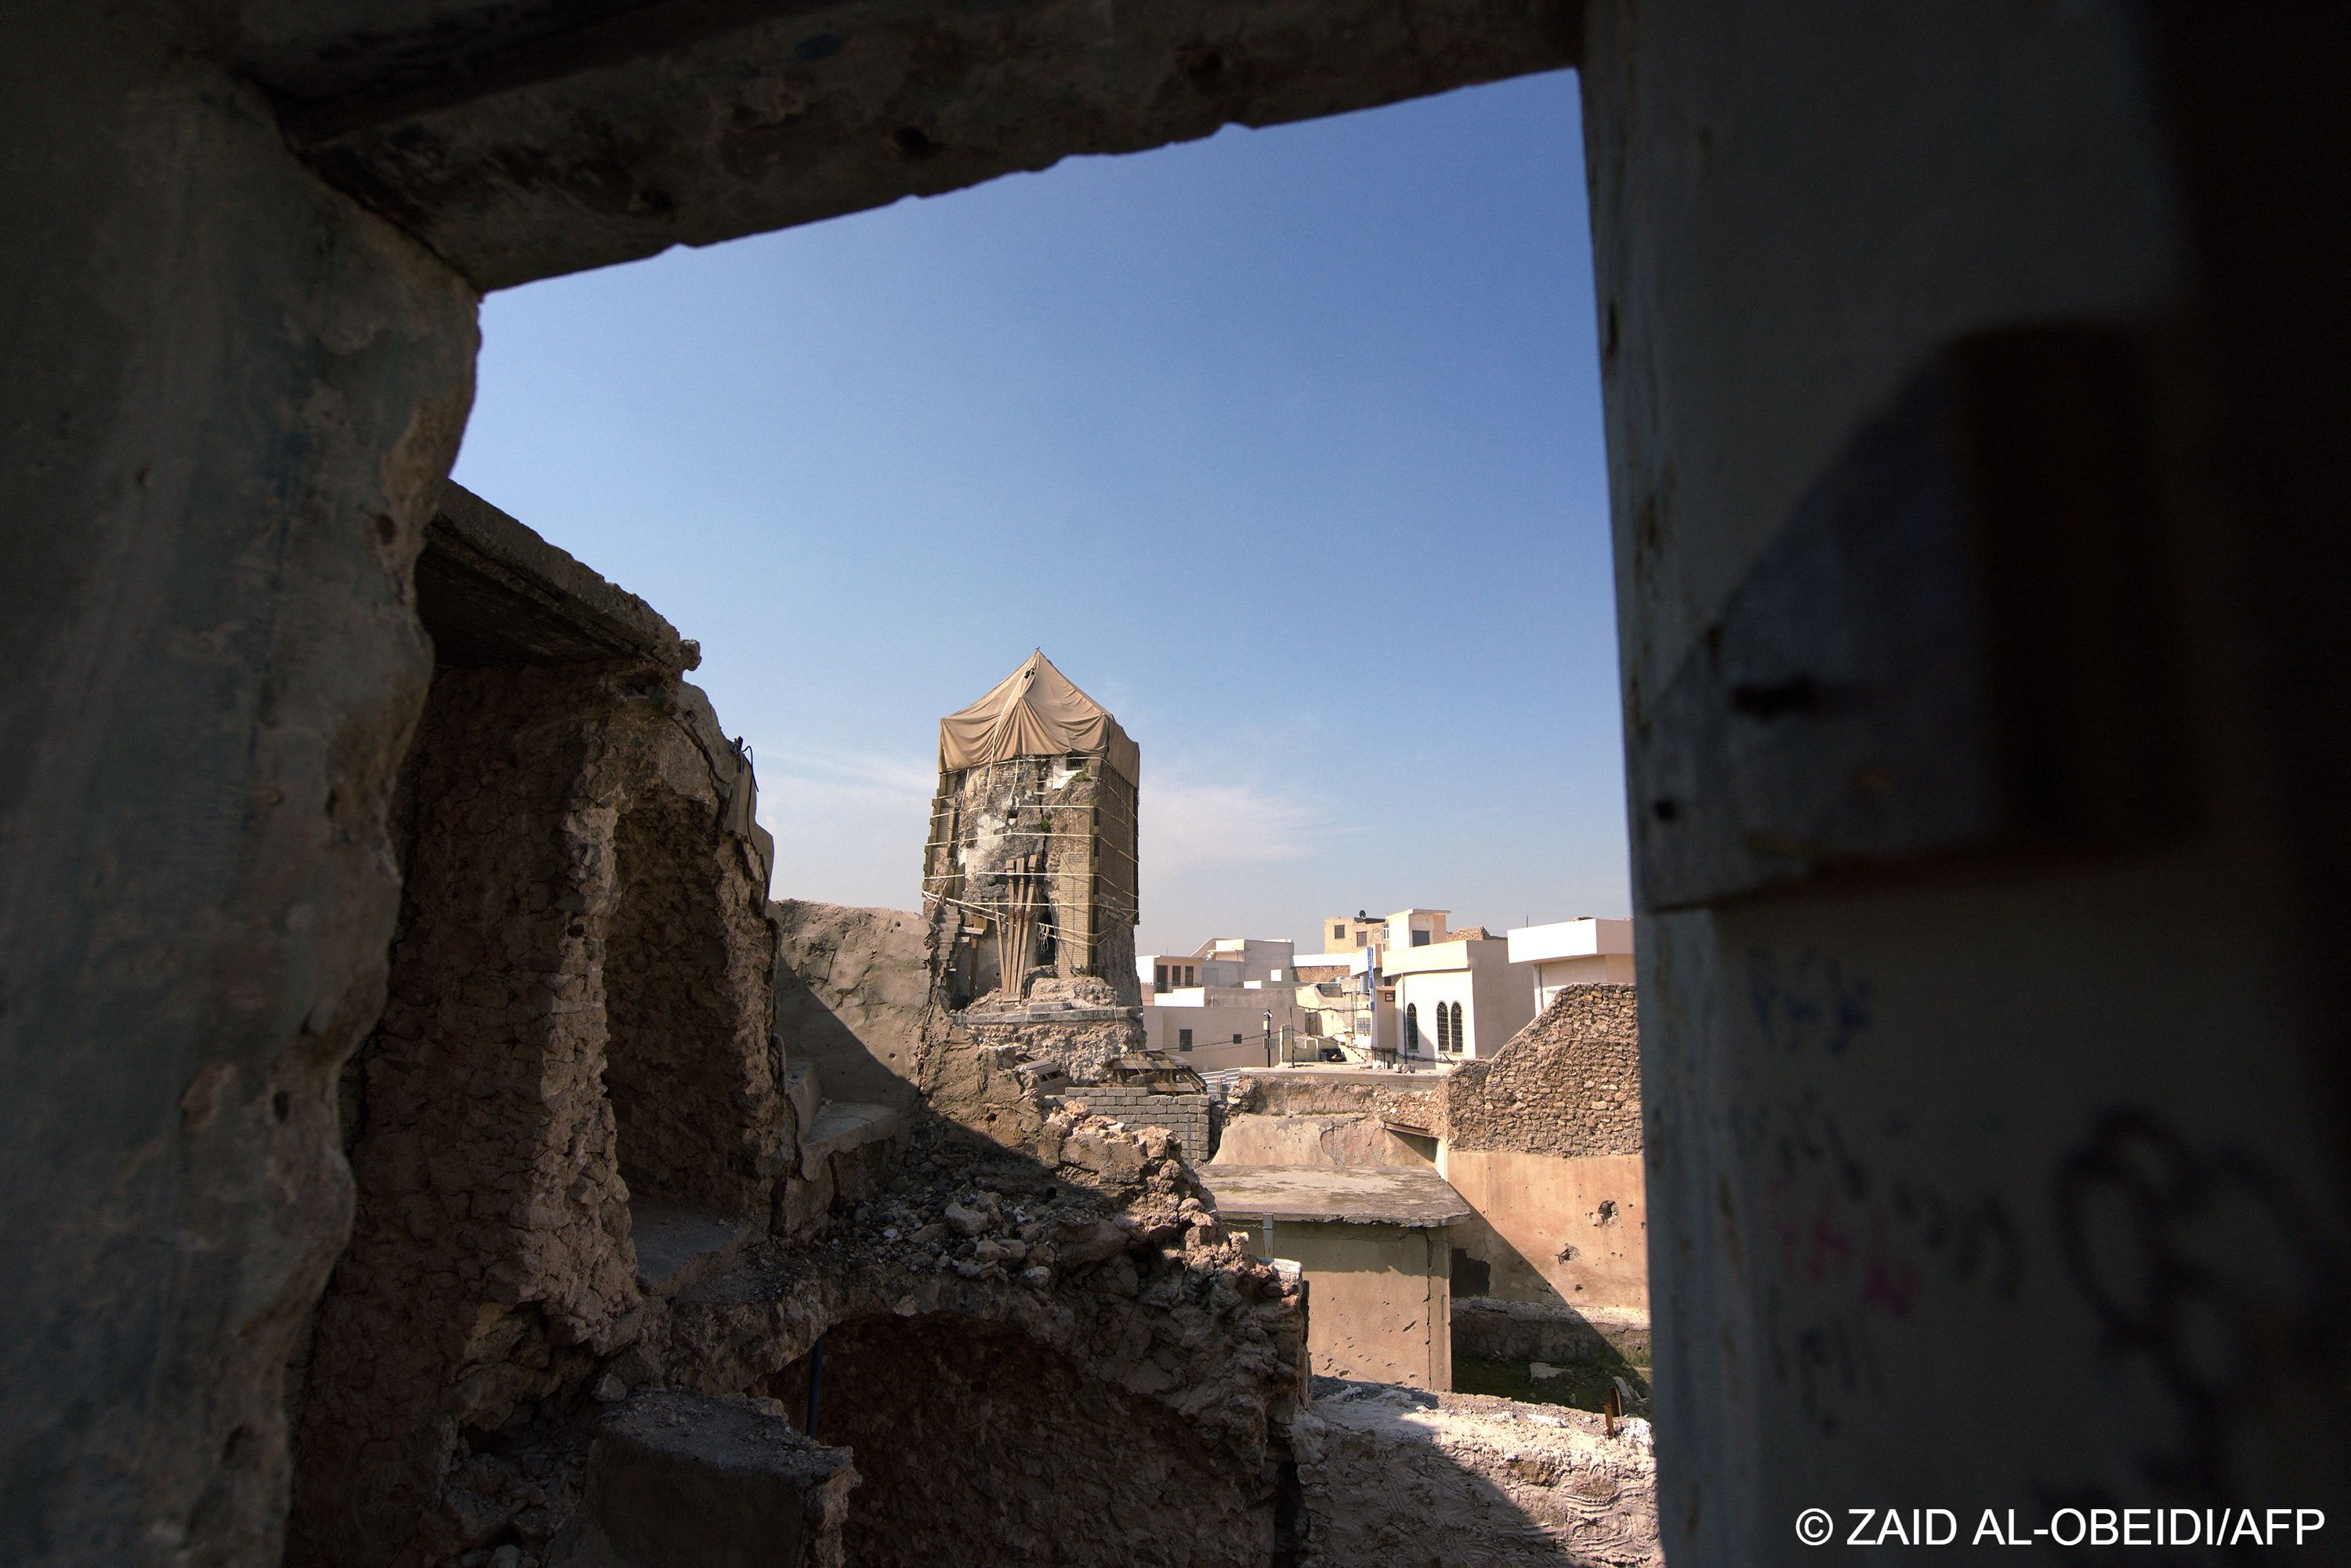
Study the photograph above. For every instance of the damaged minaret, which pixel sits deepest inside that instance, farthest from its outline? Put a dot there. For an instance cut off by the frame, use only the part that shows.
(1029, 879)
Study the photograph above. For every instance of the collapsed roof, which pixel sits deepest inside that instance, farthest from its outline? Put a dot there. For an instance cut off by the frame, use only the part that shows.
(1035, 712)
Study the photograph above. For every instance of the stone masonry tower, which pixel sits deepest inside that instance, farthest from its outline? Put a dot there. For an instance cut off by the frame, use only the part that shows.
(1029, 878)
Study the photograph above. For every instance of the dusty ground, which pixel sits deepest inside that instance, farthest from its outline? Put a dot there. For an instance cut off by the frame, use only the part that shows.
(1406, 1478)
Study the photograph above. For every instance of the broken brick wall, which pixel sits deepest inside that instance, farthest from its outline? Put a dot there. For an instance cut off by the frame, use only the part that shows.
(1543, 1140)
(1187, 1116)
(1569, 1084)
(558, 820)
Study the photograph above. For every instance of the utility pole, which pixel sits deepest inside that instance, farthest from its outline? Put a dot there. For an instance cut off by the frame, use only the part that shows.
(1269, 1037)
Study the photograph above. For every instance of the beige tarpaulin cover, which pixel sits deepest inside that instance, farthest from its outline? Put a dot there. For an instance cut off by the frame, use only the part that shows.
(1035, 712)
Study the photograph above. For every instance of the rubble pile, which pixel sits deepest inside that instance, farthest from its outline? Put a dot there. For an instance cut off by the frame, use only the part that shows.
(1110, 1253)
(1385, 1470)
(1103, 1275)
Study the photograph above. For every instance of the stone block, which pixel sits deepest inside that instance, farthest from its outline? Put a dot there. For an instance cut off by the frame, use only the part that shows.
(680, 1480)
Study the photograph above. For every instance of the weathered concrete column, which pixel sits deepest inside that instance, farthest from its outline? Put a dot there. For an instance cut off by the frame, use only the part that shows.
(1990, 1165)
(231, 394)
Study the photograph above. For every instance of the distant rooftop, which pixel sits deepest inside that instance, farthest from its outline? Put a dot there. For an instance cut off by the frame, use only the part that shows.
(1411, 1197)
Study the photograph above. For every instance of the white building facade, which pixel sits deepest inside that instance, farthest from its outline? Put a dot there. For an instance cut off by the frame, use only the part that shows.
(1232, 1002)
(1573, 953)
(1454, 1000)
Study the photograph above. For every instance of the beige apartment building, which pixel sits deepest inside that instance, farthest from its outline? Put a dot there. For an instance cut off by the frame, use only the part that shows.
(1231, 1002)
(1361, 933)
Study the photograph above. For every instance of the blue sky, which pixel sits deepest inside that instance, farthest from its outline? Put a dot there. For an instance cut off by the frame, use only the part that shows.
(1284, 444)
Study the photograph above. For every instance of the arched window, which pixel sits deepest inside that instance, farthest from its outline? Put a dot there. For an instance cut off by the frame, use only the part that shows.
(1444, 1028)
(1459, 1039)
(1411, 1029)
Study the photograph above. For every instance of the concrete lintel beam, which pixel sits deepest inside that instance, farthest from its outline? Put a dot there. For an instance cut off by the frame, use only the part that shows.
(608, 132)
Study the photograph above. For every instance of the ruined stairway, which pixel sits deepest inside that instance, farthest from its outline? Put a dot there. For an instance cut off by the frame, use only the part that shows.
(842, 1144)
(840, 1147)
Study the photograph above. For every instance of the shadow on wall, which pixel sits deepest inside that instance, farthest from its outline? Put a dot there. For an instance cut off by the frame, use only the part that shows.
(685, 1011)
(977, 1444)
(1548, 1354)
(851, 988)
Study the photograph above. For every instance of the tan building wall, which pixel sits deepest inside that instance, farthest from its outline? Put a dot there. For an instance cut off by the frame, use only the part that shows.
(1381, 1303)
(1344, 933)
(1577, 1228)
(1255, 1139)
(1213, 1026)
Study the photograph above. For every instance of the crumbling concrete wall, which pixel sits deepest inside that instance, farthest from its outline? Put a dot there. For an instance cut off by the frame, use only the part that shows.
(1315, 1118)
(1138, 1105)
(577, 1021)
(850, 988)
(1082, 1050)
(1572, 1231)
(1260, 1140)
(1409, 1099)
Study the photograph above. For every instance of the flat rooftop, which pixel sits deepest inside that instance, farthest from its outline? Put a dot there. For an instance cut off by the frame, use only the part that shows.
(1390, 1078)
(1411, 1197)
